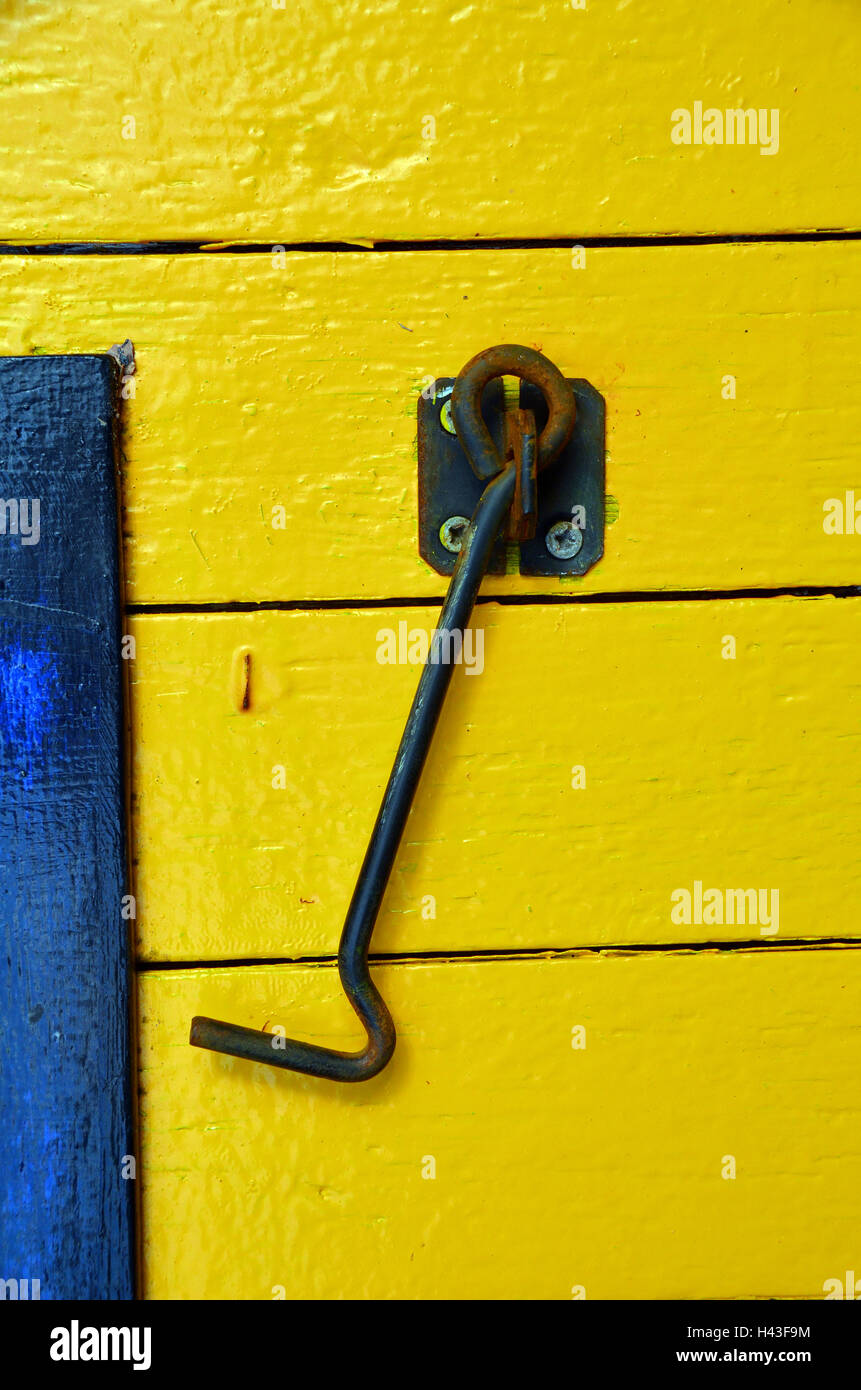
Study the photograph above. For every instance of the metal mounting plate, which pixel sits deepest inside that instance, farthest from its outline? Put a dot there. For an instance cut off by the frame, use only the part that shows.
(449, 488)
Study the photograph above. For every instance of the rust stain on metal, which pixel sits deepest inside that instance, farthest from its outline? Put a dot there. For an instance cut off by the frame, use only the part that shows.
(509, 359)
(520, 447)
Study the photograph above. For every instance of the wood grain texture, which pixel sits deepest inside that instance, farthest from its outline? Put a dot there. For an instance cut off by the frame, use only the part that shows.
(555, 1166)
(263, 386)
(737, 773)
(66, 1205)
(308, 121)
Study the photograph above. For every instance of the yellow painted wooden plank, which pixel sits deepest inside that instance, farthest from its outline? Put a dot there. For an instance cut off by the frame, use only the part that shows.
(273, 120)
(599, 1167)
(264, 386)
(738, 773)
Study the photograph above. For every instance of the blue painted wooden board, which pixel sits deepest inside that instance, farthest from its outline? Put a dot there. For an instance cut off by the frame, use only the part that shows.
(66, 1210)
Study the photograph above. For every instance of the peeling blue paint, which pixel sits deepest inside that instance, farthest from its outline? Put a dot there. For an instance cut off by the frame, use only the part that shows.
(28, 683)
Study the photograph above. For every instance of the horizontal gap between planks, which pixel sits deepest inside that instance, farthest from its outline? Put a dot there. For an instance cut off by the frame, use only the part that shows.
(214, 247)
(754, 944)
(507, 600)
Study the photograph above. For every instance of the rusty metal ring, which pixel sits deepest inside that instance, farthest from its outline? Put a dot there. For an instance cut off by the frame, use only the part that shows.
(510, 360)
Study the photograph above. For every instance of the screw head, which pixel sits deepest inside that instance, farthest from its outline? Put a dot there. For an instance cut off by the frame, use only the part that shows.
(564, 540)
(452, 532)
(445, 417)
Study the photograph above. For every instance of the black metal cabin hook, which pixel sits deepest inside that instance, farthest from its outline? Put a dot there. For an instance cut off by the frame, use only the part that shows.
(478, 541)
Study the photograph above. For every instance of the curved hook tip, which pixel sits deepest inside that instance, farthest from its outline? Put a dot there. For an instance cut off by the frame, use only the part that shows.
(276, 1050)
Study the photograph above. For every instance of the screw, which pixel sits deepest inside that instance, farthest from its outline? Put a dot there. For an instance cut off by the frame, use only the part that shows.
(564, 540)
(451, 533)
(445, 418)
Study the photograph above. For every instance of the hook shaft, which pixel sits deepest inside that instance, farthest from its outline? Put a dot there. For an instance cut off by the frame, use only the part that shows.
(278, 1051)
